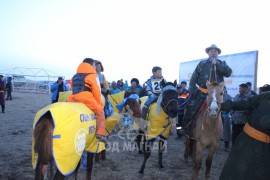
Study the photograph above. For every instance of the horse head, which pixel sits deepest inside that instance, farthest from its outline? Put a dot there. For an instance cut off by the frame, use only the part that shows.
(168, 98)
(133, 104)
(214, 98)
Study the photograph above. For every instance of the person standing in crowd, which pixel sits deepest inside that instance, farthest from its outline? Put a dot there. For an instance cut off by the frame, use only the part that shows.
(184, 87)
(125, 85)
(239, 118)
(153, 89)
(103, 83)
(9, 88)
(250, 91)
(182, 99)
(249, 158)
(211, 69)
(120, 85)
(57, 87)
(114, 89)
(2, 93)
(226, 119)
(135, 86)
(86, 89)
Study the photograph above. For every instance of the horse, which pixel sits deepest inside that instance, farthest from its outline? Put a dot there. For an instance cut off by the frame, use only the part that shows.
(63, 131)
(208, 130)
(159, 122)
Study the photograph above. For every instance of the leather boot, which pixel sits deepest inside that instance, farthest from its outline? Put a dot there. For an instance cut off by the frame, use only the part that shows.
(145, 111)
(101, 130)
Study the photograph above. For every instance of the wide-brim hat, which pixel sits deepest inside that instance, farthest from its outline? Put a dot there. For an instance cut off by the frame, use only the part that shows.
(213, 46)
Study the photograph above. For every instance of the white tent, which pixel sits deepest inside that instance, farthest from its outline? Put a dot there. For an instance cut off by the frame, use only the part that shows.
(30, 79)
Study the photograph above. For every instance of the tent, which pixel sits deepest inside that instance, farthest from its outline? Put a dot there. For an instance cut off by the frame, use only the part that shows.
(30, 79)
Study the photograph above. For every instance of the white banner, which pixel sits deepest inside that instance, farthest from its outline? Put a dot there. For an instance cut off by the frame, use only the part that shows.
(244, 67)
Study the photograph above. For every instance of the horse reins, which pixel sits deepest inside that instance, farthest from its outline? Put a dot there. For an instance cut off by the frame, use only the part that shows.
(215, 71)
(165, 106)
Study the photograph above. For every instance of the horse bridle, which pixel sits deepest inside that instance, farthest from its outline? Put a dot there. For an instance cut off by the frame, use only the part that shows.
(165, 106)
(218, 103)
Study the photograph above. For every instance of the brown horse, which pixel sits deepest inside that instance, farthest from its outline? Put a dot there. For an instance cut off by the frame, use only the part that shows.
(208, 130)
(44, 137)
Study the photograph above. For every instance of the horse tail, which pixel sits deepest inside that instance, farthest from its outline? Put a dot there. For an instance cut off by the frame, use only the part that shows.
(43, 139)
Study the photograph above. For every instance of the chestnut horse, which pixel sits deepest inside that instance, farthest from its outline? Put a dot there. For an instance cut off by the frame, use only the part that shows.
(208, 130)
(44, 137)
(159, 123)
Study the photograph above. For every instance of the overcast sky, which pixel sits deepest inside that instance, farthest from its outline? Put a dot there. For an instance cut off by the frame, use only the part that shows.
(129, 36)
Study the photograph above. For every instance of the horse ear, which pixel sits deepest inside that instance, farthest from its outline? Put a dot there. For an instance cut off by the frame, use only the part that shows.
(207, 83)
(175, 83)
(162, 83)
(222, 84)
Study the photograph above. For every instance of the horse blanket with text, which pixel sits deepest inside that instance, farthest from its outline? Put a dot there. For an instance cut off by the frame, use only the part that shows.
(157, 124)
(74, 131)
(110, 121)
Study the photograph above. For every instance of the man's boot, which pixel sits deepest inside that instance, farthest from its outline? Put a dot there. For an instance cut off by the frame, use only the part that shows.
(101, 130)
(3, 108)
(145, 111)
(226, 143)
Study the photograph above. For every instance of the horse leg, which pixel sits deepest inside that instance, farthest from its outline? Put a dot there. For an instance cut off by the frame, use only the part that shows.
(39, 174)
(103, 155)
(147, 153)
(197, 161)
(139, 141)
(160, 151)
(97, 157)
(187, 148)
(208, 161)
(76, 171)
(58, 175)
(51, 170)
(90, 158)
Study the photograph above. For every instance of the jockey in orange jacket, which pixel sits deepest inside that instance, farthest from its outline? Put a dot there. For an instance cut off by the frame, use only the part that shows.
(86, 89)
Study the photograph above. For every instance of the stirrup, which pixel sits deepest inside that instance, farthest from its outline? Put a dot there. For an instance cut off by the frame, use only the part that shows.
(101, 138)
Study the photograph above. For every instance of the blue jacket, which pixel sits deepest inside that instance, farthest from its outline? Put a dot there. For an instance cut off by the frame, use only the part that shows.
(54, 90)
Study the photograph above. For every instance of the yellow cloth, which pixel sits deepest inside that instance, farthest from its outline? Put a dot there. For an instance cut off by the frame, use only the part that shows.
(110, 122)
(63, 96)
(74, 129)
(157, 124)
(94, 147)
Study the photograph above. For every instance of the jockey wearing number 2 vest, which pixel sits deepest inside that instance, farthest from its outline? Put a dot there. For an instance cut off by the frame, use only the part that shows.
(86, 89)
(153, 89)
(211, 69)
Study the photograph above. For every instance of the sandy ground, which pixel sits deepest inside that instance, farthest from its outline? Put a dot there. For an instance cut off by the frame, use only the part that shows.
(15, 149)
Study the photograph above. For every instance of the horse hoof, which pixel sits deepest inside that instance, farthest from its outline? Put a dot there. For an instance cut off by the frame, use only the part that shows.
(140, 152)
(140, 172)
(161, 167)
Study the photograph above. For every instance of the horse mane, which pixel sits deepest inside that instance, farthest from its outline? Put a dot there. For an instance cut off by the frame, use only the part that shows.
(215, 83)
(43, 138)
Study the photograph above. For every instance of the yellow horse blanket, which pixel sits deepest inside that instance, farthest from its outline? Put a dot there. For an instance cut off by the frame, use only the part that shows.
(157, 124)
(74, 131)
(110, 122)
(115, 99)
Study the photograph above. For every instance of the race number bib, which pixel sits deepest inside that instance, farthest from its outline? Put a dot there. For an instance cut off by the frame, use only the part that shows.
(156, 85)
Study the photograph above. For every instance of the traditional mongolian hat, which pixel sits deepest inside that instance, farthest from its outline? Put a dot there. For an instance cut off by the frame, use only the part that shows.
(213, 46)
